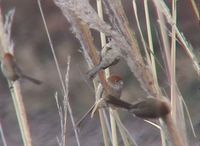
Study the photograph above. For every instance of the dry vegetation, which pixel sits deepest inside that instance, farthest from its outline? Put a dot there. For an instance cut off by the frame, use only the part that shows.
(147, 37)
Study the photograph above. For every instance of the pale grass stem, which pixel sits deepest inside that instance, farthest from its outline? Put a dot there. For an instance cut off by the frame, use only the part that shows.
(107, 74)
(2, 136)
(125, 42)
(60, 75)
(7, 46)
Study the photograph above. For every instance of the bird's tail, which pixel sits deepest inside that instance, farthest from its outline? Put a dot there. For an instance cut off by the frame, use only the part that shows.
(118, 102)
(91, 73)
(33, 80)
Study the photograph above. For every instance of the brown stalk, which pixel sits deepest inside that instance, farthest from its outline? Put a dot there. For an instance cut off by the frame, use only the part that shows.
(145, 74)
(95, 58)
(135, 62)
(173, 133)
(92, 52)
(124, 40)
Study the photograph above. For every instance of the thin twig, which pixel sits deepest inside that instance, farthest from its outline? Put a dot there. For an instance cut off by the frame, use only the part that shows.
(59, 73)
(140, 31)
(67, 104)
(2, 135)
(150, 42)
(107, 74)
(196, 10)
(51, 45)
(124, 132)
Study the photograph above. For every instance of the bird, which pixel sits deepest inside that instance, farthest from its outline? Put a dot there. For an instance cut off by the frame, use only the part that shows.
(108, 57)
(148, 108)
(11, 70)
(115, 87)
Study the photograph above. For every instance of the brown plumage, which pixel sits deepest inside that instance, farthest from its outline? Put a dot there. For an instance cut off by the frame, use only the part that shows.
(150, 108)
(12, 72)
(147, 108)
(115, 86)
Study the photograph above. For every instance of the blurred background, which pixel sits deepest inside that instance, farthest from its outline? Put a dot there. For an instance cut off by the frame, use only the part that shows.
(34, 56)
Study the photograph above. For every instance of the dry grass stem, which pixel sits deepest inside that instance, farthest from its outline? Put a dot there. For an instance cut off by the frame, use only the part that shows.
(6, 45)
(162, 8)
(140, 32)
(2, 136)
(83, 34)
(126, 136)
(21, 113)
(83, 17)
(174, 135)
(196, 10)
(64, 85)
(107, 74)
